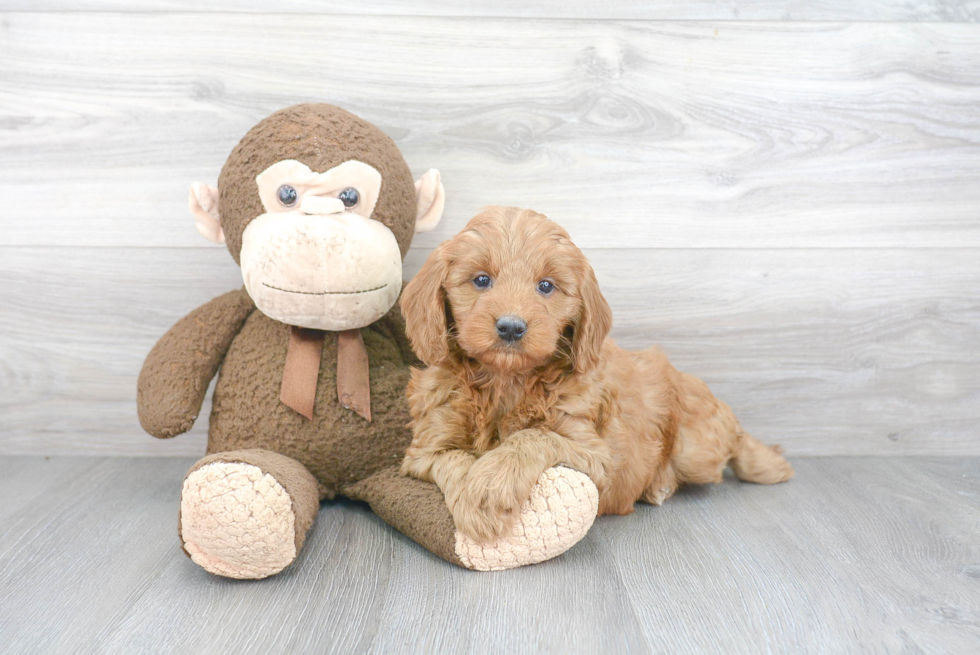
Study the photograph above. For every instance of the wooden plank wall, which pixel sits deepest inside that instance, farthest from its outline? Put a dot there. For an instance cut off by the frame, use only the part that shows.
(785, 196)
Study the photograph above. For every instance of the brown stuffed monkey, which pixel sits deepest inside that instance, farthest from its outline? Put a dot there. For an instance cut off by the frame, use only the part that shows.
(318, 207)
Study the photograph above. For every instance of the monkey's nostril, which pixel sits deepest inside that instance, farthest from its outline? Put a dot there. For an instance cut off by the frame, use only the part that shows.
(511, 328)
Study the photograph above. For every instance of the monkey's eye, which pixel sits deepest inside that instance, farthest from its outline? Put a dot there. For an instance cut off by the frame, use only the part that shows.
(349, 197)
(546, 287)
(482, 281)
(287, 195)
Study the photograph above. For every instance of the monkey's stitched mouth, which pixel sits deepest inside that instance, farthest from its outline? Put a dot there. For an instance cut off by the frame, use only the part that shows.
(325, 293)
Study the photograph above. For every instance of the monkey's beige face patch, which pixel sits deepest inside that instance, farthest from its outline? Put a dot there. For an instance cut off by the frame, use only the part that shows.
(316, 259)
(287, 184)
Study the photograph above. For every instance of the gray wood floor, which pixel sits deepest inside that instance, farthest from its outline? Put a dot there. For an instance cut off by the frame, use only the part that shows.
(853, 555)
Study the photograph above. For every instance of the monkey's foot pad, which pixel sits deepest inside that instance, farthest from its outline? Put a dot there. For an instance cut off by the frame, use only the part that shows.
(237, 521)
(561, 509)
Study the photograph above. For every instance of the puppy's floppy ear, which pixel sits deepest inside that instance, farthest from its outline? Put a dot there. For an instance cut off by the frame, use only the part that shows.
(592, 326)
(423, 305)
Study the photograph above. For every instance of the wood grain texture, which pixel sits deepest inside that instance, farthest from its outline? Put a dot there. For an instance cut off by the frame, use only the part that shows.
(785, 10)
(825, 351)
(869, 555)
(633, 134)
(790, 208)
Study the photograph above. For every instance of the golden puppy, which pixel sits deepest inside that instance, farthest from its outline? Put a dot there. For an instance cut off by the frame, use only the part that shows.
(510, 320)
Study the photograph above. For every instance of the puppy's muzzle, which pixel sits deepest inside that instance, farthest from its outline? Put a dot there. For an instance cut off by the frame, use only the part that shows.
(511, 328)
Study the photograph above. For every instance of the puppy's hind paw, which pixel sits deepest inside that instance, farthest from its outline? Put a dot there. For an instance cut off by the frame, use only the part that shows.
(561, 509)
(658, 496)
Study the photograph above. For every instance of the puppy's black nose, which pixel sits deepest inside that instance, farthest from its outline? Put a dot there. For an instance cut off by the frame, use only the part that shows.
(511, 328)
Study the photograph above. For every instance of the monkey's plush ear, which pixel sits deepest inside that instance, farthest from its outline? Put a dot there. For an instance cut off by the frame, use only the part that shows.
(430, 200)
(203, 203)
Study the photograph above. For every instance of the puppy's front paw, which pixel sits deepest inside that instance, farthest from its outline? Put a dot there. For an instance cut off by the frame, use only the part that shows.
(491, 499)
(558, 514)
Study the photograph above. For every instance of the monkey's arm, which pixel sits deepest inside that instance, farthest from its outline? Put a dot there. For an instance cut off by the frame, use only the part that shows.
(177, 371)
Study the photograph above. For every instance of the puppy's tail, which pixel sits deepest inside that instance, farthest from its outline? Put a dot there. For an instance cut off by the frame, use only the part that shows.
(756, 462)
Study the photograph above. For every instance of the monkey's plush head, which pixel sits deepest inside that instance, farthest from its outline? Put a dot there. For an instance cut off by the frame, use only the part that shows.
(319, 208)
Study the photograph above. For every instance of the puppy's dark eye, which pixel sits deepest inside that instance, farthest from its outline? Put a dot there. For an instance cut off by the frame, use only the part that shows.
(482, 281)
(349, 197)
(546, 286)
(287, 195)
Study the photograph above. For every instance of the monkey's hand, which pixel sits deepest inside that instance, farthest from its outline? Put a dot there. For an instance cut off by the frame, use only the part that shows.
(177, 371)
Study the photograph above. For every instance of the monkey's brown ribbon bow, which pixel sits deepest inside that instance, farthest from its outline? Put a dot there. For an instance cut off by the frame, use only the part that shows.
(303, 366)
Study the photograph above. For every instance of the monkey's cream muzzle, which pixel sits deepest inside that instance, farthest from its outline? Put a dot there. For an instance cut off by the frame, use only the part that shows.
(319, 264)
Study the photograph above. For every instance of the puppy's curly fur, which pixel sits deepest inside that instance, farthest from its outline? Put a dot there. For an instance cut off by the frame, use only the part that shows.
(490, 414)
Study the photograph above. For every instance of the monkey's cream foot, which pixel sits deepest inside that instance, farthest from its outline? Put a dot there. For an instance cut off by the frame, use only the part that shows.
(561, 509)
(239, 521)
